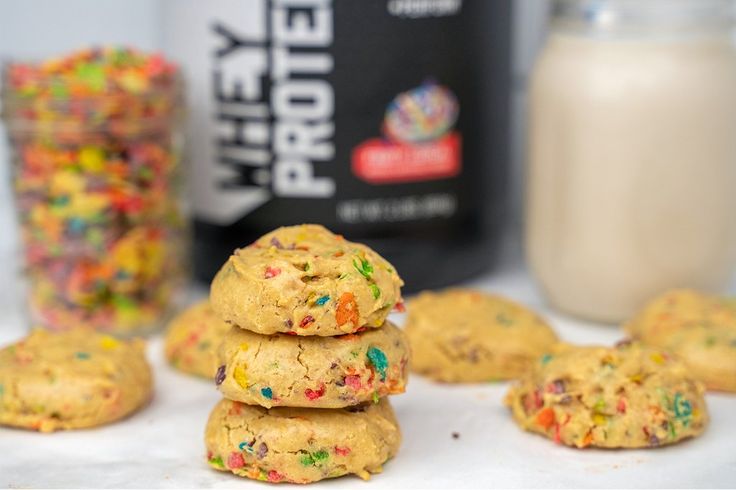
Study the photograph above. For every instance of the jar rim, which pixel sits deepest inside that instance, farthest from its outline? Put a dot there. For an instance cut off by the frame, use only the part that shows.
(173, 86)
(672, 15)
(18, 110)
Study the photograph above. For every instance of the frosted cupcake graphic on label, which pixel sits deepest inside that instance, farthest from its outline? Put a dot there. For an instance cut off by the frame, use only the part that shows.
(419, 143)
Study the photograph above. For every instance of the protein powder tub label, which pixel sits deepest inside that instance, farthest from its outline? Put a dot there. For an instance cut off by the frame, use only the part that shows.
(382, 120)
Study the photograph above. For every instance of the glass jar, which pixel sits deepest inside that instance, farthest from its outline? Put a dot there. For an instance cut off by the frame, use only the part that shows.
(632, 153)
(95, 141)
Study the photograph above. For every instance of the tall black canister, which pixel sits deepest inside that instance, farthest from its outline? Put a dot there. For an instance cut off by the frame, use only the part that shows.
(385, 120)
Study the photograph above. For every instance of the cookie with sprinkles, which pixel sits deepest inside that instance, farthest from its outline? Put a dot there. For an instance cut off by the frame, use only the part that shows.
(628, 396)
(192, 340)
(71, 380)
(305, 280)
(698, 328)
(317, 372)
(463, 335)
(301, 445)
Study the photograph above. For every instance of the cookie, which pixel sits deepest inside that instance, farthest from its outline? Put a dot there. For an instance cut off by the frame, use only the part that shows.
(698, 328)
(677, 310)
(461, 335)
(709, 352)
(301, 445)
(305, 280)
(71, 380)
(192, 340)
(316, 372)
(628, 396)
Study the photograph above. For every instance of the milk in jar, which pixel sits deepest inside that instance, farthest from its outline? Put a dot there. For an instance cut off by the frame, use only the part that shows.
(632, 154)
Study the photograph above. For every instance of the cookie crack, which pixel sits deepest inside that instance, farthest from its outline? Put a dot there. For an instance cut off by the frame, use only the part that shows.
(258, 351)
(290, 388)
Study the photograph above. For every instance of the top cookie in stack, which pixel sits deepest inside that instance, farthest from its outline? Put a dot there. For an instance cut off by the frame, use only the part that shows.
(305, 280)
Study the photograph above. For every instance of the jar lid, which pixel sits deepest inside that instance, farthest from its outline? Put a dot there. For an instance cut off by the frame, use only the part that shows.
(677, 16)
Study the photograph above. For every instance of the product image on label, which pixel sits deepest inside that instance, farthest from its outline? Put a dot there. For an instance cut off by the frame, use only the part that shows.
(419, 141)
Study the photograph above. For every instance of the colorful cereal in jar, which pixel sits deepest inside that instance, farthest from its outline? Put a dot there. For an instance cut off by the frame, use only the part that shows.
(95, 137)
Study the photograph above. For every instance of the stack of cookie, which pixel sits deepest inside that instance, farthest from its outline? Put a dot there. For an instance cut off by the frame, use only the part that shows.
(305, 367)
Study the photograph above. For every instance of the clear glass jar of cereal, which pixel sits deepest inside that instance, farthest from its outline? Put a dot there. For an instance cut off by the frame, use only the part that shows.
(96, 157)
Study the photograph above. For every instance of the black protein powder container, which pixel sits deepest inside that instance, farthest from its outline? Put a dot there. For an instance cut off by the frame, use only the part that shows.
(385, 120)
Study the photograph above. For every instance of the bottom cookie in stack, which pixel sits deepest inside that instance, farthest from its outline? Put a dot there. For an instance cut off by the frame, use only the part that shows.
(301, 445)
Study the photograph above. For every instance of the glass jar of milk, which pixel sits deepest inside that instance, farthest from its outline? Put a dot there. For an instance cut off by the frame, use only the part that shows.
(632, 153)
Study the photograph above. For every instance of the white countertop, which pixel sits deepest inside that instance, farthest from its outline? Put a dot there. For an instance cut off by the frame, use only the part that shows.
(162, 446)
